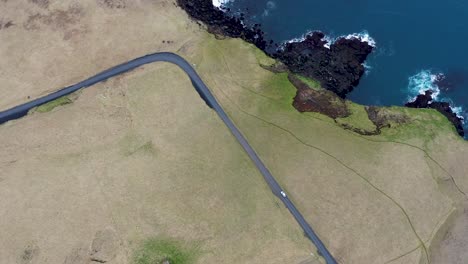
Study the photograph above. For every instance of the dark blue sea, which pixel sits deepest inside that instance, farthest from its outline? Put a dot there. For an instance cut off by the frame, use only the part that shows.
(417, 42)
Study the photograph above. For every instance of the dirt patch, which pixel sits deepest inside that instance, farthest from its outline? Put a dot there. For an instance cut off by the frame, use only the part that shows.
(73, 33)
(119, 4)
(358, 130)
(277, 67)
(382, 117)
(319, 101)
(6, 24)
(331, 105)
(57, 19)
(66, 21)
(78, 255)
(105, 245)
(29, 254)
(41, 3)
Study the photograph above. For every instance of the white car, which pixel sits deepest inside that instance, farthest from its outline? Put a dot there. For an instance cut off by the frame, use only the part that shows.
(283, 194)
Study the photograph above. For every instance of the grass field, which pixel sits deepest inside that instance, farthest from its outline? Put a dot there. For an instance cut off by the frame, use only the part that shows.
(375, 185)
(358, 118)
(143, 155)
(53, 104)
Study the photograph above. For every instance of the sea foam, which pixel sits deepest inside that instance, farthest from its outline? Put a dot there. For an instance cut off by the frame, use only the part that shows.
(296, 40)
(329, 40)
(301, 38)
(220, 3)
(367, 68)
(421, 82)
(426, 80)
(362, 36)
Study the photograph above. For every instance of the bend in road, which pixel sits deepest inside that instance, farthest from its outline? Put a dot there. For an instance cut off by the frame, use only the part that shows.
(210, 100)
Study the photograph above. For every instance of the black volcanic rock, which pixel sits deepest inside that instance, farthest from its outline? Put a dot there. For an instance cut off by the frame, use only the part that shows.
(338, 68)
(426, 101)
(220, 23)
(421, 101)
(444, 108)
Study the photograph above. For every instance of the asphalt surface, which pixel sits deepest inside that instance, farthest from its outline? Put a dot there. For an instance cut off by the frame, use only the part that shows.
(207, 96)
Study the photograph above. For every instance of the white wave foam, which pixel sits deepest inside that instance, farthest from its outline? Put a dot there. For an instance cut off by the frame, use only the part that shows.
(367, 68)
(296, 40)
(458, 110)
(327, 38)
(421, 82)
(220, 3)
(364, 37)
(426, 80)
(329, 41)
(301, 38)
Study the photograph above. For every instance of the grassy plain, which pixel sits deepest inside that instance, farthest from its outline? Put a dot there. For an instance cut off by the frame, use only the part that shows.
(143, 154)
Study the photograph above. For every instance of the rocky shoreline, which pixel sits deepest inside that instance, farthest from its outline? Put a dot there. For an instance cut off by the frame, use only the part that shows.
(338, 66)
(219, 23)
(426, 101)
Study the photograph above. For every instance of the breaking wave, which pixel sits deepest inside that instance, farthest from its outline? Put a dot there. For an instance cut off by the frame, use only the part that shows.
(220, 3)
(426, 80)
(301, 38)
(329, 40)
(421, 82)
(363, 36)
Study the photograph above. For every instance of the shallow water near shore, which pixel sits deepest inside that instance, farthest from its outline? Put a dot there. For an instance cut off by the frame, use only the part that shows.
(418, 43)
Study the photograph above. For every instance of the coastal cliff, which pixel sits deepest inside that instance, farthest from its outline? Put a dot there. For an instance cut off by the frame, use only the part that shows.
(426, 101)
(338, 67)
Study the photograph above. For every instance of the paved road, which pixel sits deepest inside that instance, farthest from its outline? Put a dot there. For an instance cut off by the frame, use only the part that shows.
(202, 89)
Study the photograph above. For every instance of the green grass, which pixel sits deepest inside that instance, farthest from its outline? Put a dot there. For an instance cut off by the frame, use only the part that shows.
(133, 143)
(280, 91)
(261, 57)
(314, 84)
(424, 124)
(358, 118)
(156, 251)
(280, 87)
(47, 107)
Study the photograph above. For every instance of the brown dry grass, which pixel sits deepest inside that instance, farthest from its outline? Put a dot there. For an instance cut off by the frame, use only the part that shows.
(143, 154)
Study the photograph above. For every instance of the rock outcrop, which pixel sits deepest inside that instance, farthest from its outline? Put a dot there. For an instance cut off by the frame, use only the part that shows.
(104, 246)
(218, 22)
(319, 101)
(426, 101)
(337, 68)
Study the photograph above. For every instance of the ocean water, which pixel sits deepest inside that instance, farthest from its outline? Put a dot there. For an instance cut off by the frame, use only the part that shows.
(417, 42)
